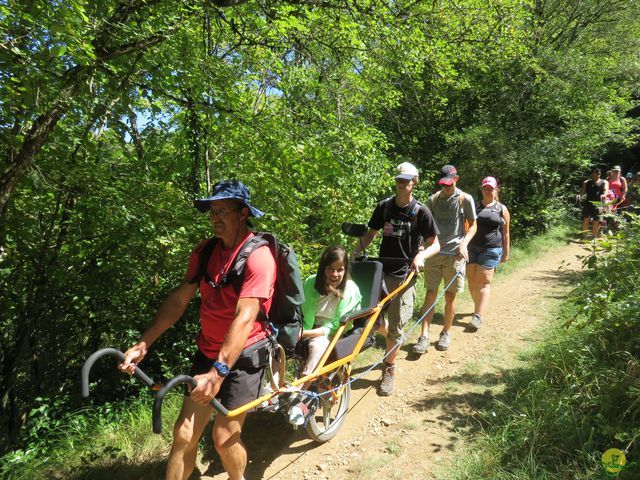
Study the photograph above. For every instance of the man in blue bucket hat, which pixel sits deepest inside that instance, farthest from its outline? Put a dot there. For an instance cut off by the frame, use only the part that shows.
(228, 189)
(225, 364)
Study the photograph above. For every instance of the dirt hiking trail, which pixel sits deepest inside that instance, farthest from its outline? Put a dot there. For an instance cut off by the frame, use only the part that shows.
(416, 433)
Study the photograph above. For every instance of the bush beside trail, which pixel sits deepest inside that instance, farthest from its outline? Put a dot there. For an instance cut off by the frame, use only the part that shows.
(578, 395)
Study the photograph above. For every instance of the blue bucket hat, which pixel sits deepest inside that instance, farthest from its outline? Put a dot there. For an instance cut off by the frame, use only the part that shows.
(228, 189)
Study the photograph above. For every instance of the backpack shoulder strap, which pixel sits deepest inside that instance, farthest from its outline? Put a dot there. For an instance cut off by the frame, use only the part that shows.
(235, 275)
(387, 208)
(461, 200)
(414, 207)
(203, 260)
(436, 196)
(414, 210)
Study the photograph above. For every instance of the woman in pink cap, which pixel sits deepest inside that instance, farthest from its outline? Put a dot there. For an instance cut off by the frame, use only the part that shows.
(488, 247)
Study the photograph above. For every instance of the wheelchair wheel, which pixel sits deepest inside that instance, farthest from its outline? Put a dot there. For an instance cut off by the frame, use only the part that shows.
(331, 413)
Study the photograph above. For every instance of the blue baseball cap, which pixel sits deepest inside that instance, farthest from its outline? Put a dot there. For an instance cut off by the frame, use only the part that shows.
(228, 189)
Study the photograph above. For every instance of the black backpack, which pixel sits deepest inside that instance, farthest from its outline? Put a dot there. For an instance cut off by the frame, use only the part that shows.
(285, 315)
(414, 210)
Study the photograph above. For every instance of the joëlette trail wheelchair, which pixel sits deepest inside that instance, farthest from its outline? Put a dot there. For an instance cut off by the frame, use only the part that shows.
(325, 398)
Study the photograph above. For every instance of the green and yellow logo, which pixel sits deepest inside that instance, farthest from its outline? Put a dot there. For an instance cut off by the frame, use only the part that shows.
(614, 461)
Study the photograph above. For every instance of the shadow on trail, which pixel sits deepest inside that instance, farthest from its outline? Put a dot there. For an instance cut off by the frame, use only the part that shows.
(460, 319)
(122, 470)
(562, 276)
(464, 396)
(267, 436)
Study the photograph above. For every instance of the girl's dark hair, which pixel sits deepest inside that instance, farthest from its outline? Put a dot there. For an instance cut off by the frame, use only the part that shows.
(329, 256)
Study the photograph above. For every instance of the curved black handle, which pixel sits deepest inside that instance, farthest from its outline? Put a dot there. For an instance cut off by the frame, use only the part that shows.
(157, 403)
(86, 368)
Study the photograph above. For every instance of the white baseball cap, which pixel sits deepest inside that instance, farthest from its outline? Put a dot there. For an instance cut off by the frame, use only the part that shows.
(406, 171)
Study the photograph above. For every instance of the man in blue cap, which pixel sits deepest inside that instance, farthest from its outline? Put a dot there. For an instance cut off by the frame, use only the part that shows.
(231, 321)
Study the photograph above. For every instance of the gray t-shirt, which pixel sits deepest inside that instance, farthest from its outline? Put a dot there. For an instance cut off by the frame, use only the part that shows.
(450, 214)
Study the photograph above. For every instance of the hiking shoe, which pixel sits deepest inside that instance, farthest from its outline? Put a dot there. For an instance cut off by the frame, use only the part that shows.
(476, 322)
(388, 384)
(443, 342)
(297, 414)
(270, 405)
(422, 345)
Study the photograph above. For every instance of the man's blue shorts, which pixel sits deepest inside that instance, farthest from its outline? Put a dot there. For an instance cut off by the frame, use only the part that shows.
(485, 257)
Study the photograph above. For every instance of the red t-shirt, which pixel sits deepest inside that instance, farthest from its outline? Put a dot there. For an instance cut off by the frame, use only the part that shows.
(218, 305)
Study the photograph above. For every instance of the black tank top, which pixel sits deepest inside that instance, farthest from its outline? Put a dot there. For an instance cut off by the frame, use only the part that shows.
(489, 221)
(594, 190)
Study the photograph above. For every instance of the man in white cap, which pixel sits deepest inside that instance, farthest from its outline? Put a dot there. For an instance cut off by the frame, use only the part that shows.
(406, 225)
(455, 215)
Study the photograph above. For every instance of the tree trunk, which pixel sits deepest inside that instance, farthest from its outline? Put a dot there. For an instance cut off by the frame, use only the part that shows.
(194, 132)
(137, 139)
(35, 138)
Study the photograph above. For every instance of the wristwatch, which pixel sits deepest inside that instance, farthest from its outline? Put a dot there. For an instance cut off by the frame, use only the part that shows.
(221, 368)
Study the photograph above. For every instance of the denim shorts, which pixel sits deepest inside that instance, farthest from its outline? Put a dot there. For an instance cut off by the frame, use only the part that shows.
(485, 257)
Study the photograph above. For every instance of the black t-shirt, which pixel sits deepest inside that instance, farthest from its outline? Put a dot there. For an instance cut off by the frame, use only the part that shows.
(489, 221)
(401, 232)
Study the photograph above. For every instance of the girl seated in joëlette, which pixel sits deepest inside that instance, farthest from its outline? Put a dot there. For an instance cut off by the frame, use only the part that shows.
(329, 294)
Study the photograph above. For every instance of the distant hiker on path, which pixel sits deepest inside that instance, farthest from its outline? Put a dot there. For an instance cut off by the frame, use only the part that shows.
(617, 185)
(595, 190)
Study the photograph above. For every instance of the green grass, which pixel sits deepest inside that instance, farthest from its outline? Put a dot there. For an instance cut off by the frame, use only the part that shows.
(577, 394)
(527, 251)
(409, 426)
(522, 254)
(393, 447)
(93, 439)
(368, 466)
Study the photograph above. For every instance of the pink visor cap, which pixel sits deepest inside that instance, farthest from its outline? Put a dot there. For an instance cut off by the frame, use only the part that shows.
(492, 182)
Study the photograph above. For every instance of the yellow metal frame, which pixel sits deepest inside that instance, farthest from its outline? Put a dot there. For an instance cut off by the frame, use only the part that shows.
(321, 368)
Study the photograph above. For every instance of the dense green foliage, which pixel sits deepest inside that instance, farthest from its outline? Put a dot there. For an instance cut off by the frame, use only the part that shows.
(578, 395)
(116, 114)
